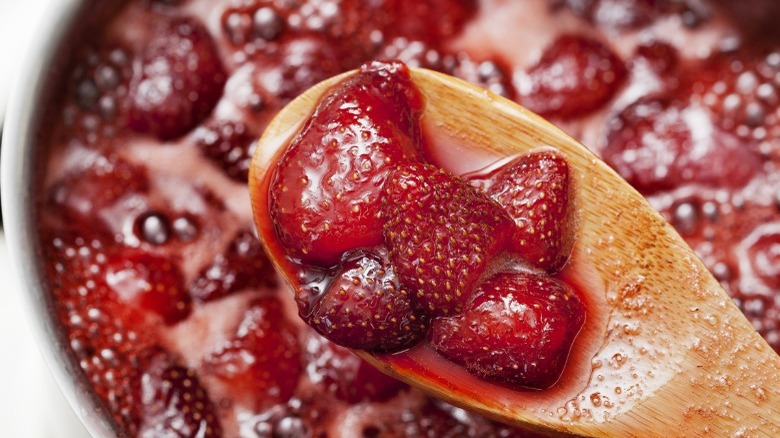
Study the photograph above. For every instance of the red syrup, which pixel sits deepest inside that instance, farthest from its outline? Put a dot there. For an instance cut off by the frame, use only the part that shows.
(116, 186)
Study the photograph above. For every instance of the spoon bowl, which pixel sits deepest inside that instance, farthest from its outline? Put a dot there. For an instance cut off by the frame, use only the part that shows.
(663, 349)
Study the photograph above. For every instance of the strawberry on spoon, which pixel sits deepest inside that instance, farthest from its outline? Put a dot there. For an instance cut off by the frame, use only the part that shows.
(662, 345)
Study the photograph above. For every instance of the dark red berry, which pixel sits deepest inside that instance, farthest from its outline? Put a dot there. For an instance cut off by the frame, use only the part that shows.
(576, 75)
(175, 404)
(180, 82)
(326, 191)
(365, 307)
(243, 265)
(295, 67)
(534, 190)
(659, 57)
(229, 145)
(517, 330)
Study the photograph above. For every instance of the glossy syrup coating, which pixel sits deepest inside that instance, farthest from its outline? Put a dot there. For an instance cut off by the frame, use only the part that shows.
(109, 190)
(326, 192)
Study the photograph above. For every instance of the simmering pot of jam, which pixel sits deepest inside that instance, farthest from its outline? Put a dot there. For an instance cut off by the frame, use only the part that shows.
(170, 316)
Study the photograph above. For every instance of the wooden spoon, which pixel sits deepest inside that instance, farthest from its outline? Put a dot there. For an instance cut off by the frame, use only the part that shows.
(664, 350)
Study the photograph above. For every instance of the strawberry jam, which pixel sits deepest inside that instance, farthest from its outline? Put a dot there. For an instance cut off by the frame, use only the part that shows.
(173, 314)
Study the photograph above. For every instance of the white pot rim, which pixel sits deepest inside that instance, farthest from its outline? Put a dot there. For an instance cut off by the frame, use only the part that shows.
(22, 130)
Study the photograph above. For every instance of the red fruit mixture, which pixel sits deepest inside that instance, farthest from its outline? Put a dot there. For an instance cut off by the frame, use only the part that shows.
(147, 142)
(435, 239)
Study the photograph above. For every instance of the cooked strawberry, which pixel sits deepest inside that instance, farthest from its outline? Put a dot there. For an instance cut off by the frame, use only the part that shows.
(181, 80)
(261, 363)
(365, 307)
(95, 186)
(175, 404)
(109, 340)
(534, 190)
(518, 329)
(243, 265)
(741, 91)
(656, 65)
(110, 353)
(325, 194)
(659, 144)
(575, 76)
(149, 282)
(229, 145)
(344, 374)
(442, 234)
(296, 66)
(98, 90)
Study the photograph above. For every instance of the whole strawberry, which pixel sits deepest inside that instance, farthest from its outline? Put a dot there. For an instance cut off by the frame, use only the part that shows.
(518, 329)
(575, 76)
(366, 307)
(534, 190)
(442, 234)
(175, 404)
(181, 80)
(261, 363)
(325, 194)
